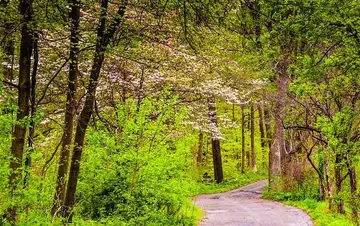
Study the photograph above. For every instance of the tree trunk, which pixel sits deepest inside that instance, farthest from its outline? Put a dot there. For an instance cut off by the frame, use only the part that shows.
(353, 189)
(200, 149)
(278, 149)
(328, 184)
(248, 151)
(216, 151)
(242, 139)
(267, 122)
(19, 132)
(262, 135)
(319, 170)
(32, 109)
(354, 196)
(7, 44)
(322, 182)
(252, 138)
(104, 38)
(338, 182)
(63, 165)
(254, 7)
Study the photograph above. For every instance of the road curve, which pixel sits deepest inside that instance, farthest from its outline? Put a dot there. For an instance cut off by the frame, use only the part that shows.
(245, 207)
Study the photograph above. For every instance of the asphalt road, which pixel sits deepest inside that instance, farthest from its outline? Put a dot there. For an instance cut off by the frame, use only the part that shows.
(245, 207)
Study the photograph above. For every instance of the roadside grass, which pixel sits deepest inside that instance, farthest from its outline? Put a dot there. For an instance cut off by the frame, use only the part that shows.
(317, 210)
(230, 184)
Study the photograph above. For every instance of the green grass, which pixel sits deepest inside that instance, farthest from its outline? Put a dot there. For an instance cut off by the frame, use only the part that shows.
(227, 185)
(320, 213)
(317, 210)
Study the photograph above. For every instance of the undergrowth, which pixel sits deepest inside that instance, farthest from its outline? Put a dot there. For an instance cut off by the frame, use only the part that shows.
(317, 210)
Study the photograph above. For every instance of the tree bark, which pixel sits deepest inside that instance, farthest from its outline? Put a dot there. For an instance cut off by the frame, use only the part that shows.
(7, 44)
(19, 132)
(354, 195)
(243, 139)
(255, 12)
(262, 135)
(216, 151)
(278, 148)
(353, 189)
(32, 109)
(248, 151)
(267, 122)
(318, 170)
(63, 165)
(104, 37)
(328, 183)
(338, 183)
(200, 149)
(252, 138)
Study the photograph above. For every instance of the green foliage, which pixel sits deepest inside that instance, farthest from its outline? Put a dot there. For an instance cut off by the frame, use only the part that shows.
(140, 175)
(320, 213)
(235, 182)
(317, 210)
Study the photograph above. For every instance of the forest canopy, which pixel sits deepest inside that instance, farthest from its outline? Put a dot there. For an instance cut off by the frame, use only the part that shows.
(118, 112)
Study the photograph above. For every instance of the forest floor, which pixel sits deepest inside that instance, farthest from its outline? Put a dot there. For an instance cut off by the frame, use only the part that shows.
(245, 207)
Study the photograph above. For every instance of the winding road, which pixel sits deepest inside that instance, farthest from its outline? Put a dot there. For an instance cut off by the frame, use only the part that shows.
(245, 207)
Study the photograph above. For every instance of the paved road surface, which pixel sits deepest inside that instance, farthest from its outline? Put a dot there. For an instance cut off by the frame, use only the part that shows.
(245, 207)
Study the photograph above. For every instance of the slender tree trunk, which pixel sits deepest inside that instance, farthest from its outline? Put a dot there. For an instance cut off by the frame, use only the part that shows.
(322, 182)
(63, 165)
(267, 122)
(319, 171)
(7, 44)
(200, 149)
(216, 151)
(32, 109)
(248, 151)
(354, 196)
(255, 12)
(353, 189)
(252, 138)
(104, 37)
(262, 135)
(322, 190)
(243, 144)
(278, 149)
(338, 183)
(328, 184)
(19, 132)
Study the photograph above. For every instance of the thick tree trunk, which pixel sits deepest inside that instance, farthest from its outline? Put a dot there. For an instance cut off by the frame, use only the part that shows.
(243, 144)
(252, 138)
(278, 148)
(216, 151)
(103, 38)
(262, 136)
(19, 132)
(63, 165)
